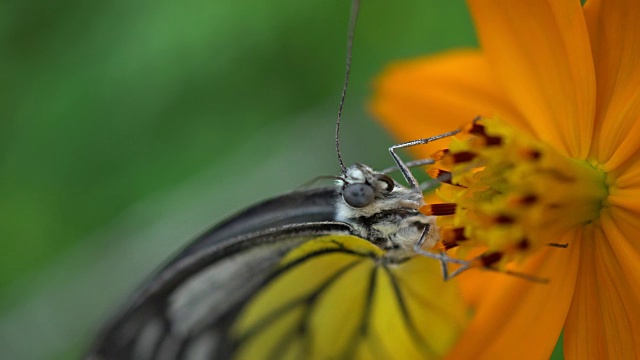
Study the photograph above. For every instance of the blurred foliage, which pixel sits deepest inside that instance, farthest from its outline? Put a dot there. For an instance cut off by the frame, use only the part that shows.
(104, 105)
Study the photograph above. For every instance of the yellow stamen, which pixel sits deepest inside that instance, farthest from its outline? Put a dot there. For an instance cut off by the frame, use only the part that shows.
(514, 194)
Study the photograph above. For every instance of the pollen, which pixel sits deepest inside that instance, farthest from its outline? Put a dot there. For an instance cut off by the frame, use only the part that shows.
(441, 209)
(450, 237)
(511, 194)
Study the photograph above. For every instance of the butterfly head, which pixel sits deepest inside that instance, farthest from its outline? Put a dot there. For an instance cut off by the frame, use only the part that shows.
(365, 192)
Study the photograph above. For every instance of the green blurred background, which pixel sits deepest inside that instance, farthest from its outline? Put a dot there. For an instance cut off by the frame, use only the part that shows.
(129, 126)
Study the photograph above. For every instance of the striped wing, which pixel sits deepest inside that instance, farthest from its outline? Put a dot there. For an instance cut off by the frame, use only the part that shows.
(286, 288)
(209, 280)
(340, 297)
(190, 306)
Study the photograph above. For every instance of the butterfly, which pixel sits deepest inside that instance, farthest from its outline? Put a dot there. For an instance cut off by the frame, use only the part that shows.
(316, 273)
(322, 273)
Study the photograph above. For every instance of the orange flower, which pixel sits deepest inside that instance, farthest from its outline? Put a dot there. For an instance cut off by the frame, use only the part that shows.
(566, 79)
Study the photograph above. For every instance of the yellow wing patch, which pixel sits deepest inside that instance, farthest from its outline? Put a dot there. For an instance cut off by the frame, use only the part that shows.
(340, 297)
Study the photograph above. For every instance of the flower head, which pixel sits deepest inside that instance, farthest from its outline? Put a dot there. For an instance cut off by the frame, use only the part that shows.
(554, 159)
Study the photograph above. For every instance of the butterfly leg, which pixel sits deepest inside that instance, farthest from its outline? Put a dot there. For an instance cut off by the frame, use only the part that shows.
(460, 270)
(402, 166)
(409, 164)
(442, 257)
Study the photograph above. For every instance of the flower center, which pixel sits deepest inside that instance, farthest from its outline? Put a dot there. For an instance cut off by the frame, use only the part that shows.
(509, 193)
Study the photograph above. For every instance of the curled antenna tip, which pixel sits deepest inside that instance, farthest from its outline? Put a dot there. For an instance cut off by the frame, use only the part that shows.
(355, 6)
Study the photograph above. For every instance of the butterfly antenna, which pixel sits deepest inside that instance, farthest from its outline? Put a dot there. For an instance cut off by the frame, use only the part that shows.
(355, 6)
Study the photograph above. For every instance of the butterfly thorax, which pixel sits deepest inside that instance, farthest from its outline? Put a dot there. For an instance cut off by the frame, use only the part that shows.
(380, 209)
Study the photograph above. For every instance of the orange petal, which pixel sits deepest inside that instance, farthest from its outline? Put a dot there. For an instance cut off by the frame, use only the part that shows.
(625, 247)
(627, 222)
(615, 40)
(517, 319)
(430, 96)
(603, 320)
(540, 50)
(474, 285)
(626, 198)
(624, 192)
(629, 178)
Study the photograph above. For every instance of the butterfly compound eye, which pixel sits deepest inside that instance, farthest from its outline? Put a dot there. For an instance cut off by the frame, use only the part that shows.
(358, 195)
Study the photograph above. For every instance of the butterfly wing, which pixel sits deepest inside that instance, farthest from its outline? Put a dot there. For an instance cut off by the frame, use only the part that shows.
(341, 297)
(303, 206)
(296, 290)
(215, 274)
